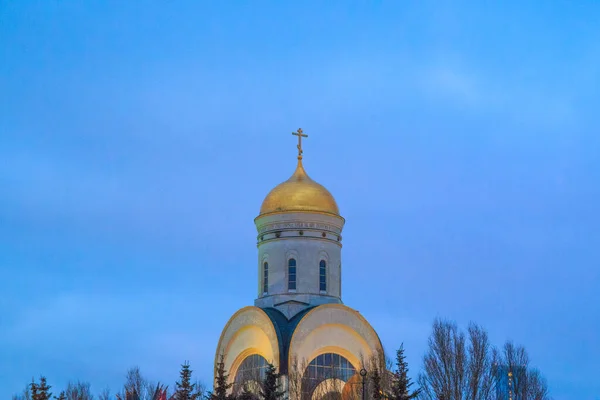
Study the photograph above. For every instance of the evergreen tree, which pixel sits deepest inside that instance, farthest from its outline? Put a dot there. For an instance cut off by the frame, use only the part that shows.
(271, 387)
(34, 390)
(61, 396)
(221, 385)
(402, 383)
(40, 391)
(376, 384)
(186, 390)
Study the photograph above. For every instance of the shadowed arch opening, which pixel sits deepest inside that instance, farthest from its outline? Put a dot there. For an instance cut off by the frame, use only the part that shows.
(327, 373)
(250, 373)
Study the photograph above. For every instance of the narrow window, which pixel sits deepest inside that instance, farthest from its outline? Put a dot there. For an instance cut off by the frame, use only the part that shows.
(265, 277)
(323, 276)
(291, 274)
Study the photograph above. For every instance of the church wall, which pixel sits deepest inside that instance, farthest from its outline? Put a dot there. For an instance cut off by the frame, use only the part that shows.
(308, 238)
(308, 254)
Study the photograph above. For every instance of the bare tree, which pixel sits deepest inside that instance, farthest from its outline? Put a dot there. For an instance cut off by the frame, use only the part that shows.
(537, 387)
(481, 358)
(516, 361)
(457, 369)
(296, 371)
(200, 389)
(78, 391)
(135, 382)
(25, 395)
(526, 383)
(104, 394)
(444, 363)
(139, 388)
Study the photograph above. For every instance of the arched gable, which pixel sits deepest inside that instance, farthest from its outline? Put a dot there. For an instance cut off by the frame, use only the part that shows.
(249, 331)
(334, 328)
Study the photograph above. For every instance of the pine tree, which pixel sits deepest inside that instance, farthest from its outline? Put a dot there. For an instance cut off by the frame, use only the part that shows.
(40, 391)
(186, 390)
(34, 390)
(402, 383)
(221, 385)
(61, 396)
(376, 384)
(271, 387)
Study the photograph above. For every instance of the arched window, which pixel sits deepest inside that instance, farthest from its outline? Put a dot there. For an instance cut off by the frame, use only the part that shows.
(292, 274)
(265, 277)
(323, 367)
(323, 276)
(251, 373)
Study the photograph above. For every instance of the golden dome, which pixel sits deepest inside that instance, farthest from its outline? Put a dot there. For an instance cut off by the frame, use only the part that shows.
(299, 193)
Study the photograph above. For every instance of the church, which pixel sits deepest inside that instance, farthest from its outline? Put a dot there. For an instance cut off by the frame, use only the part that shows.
(298, 322)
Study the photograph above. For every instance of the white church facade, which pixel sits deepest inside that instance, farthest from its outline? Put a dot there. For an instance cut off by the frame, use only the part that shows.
(298, 321)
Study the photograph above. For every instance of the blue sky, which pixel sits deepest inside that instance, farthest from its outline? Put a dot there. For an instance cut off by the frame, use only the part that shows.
(138, 140)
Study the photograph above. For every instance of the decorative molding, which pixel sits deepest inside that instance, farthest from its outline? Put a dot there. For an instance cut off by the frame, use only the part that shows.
(318, 238)
(299, 225)
(300, 212)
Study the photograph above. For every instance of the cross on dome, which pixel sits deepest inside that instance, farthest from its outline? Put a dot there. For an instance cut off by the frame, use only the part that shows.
(300, 135)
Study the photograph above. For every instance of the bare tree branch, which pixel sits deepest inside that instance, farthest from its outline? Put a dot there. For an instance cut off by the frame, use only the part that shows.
(78, 391)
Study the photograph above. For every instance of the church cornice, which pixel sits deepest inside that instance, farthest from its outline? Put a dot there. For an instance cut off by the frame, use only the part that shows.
(275, 213)
(273, 237)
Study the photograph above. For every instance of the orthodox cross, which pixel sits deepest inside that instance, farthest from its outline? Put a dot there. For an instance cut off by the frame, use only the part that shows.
(300, 136)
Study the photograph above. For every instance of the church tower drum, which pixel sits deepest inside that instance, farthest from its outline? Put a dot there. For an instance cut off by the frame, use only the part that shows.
(299, 244)
(298, 322)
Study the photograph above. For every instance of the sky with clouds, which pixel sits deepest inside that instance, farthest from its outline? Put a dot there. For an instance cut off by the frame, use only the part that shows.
(138, 139)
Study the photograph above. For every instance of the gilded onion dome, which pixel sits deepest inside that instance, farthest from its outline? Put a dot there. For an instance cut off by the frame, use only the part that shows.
(299, 193)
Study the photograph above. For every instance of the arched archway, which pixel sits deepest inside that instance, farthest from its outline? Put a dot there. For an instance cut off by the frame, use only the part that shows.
(325, 377)
(250, 374)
